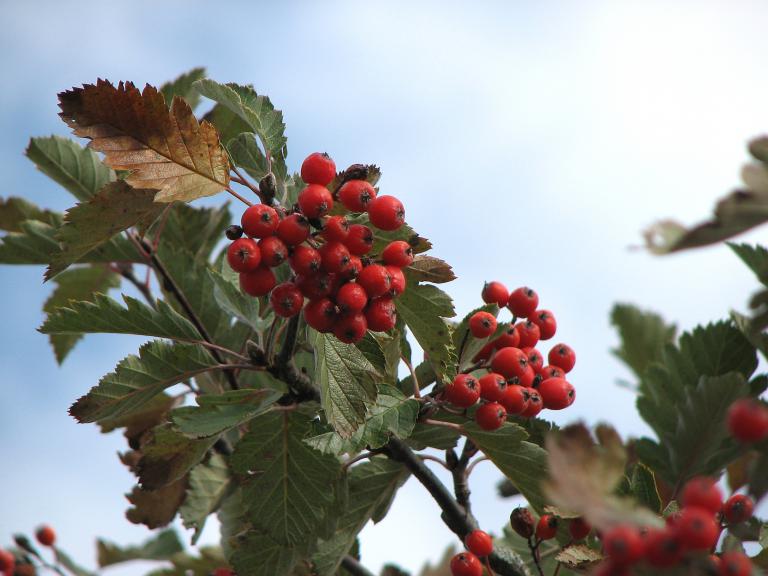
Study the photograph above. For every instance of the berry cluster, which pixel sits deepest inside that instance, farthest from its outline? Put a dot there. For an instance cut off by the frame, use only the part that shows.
(748, 420)
(479, 544)
(10, 565)
(349, 289)
(517, 381)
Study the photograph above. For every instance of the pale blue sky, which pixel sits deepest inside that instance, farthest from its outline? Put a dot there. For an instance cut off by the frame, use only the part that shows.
(531, 142)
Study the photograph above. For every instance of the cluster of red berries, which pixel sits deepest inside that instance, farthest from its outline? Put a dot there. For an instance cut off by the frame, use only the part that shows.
(517, 382)
(479, 544)
(748, 420)
(8, 564)
(349, 289)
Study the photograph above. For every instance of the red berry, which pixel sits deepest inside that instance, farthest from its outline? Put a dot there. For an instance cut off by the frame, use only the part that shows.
(463, 392)
(259, 282)
(7, 562)
(623, 545)
(663, 548)
(223, 572)
(315, 201)
(260, 221)
(398, 253)
(697, 528)
(492, 386)
(320, 314)
(563, 357)
(335, 256)
(350, 329)
(529, 334)
(336, 229)
(386, 213)
(546, 529)
(523, 302)
(510, 362)
(735, 564)
(45, 535)
(608, 568)
(738, 508)
(351, 298)
(579, 528)
(273, 251)
(353, 269)
(375, 279)
(495, 293)
(466, 564)
(359, 240)
(479, 543)
(244, 255)
(293, 229)
(702, 492)
(535, 359)
(557, 393)
(510, 338)
(515, 399)
(318, 168)
(482, 324)
(286, 299)
(551, 372)
(356, 195)
(397, 281)
(535, 404)
(316, 286)
(381, 314)
(545, 320)
(748, 420)
(305, 260)
(490, 416)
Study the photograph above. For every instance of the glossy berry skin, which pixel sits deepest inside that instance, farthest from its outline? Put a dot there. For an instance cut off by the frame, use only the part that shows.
(321, 314)
(375, 279)
(7, 562)
(738, 508)
(482, 324)
(492, 386)
(244, 255)
(353, 269)
(286, 299)
(529, 334)
(351, 298)
(356, 195)
(45, 535)
(316, 286)
(397, 282)
(293, 229)
(748, 420)
(315, 201)
(579, 528)
(260, 221)
(359, 240)
(623, 545)
(318, 168)
(735, 563)
(336, 229)
(479, 543)
(350, 329)
(273, 251)
(259, 282)
(466, 564)
(510, 362)
(550, 371)
(509, 339)
(702, 492)
(386, 213)
(495, 292)
(234, 232)
(522, 302)
(463, 392)
(491, 416)
(557, 393)
(335, 256)
(546, 322)
(398, 253)
(522, 522)
(663, 548)
(697, 528)
(381, 314)
(305, 260)
(515, 399)
(535, 359)
(546, 529)
(563, 357)
(535, 404)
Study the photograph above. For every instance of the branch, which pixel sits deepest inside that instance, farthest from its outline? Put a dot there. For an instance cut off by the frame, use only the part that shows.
(283, 368)
(460, 476)
(353, 566)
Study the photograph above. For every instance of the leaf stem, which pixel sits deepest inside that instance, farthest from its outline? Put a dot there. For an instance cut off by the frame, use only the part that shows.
(471, 467)
(416, 387)
(241, 179)
(450, 425)
(236, 195)
(440, 461)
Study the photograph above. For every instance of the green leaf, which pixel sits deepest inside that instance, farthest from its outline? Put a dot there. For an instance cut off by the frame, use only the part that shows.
(198, 230)
(425, 375)
(245, 152)
(439, 437)
(472, 345)
(218, 413)
(70, 565)
(182, 87)
(256, 554)
(423, 308)
(524, 463)
(756, 257)
(34, 244)
(230, 298)
(643, 486)
(160, 547)
(167, 456)
(371, 485)
(156, 508)
(286, 483)
(138, 379)
(643, 336)
(346, 380)
(228, 124)
(14, 211)
(77, 169)
(208, 484)
(758, 478)
(114, 208)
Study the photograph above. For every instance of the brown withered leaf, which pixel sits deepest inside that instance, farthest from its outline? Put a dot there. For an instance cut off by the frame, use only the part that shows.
(165, 150)
(578, 556)
(431, 269)
(155, 508)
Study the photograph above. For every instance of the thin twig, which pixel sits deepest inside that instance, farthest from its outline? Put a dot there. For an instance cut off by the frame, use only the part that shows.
(142, 287)
(440, 461)
(416, 387)
(353, 566)
(241, 179)
(236, 195)
(471, 467)
(534, 548)
(451, 425)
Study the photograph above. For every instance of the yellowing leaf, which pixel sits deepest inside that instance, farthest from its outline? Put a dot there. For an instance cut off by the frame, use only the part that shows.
(166, 150)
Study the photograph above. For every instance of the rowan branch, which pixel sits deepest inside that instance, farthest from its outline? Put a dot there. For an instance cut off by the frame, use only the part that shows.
(283, 368)
(353, 566)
